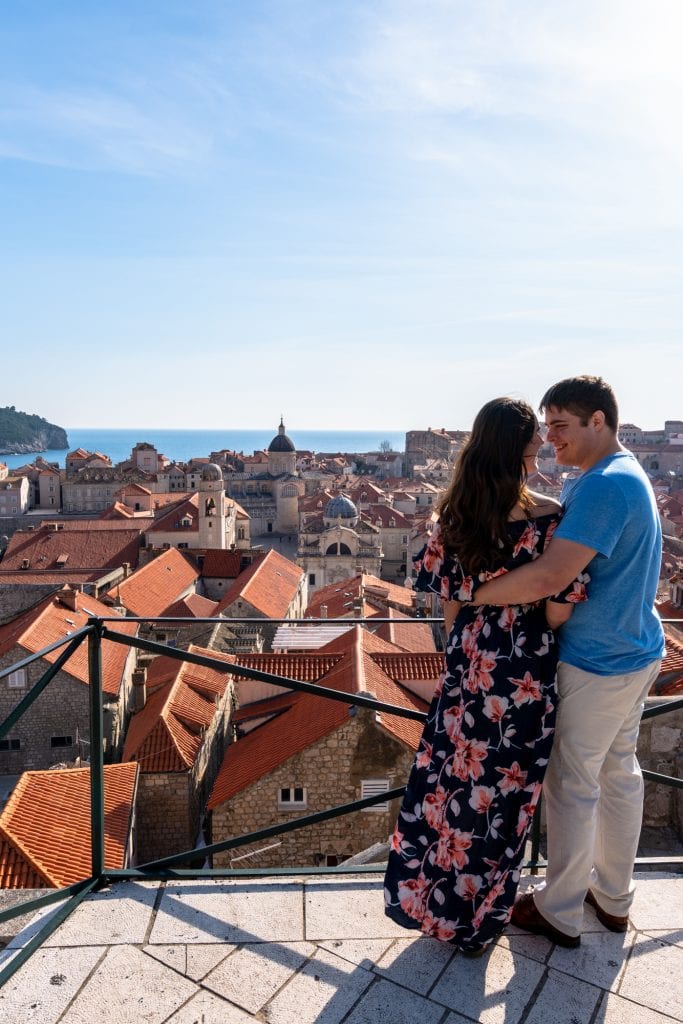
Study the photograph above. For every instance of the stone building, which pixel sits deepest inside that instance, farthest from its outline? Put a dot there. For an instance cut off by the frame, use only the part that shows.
(299, 753)
(56, 728)
(423, 445)
(14, 496)
(336, 543)
(272, 587)
(177, 737)
(270, 494)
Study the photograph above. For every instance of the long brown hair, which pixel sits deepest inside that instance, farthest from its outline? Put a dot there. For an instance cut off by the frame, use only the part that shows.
(488, 481)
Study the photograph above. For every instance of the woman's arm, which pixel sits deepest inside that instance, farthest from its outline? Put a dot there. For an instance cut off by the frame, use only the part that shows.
(450, 610)
(557, 612)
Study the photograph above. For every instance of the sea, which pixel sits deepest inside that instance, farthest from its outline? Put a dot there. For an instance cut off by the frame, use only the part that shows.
(182, 445)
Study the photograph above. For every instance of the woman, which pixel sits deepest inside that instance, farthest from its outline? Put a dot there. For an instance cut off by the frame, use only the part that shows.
(459, 840)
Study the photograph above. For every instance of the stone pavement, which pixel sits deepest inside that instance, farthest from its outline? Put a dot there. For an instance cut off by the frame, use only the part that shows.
(319, 949)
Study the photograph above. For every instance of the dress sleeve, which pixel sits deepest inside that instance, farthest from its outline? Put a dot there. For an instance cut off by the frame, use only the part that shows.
(576, 592)
(441, 574)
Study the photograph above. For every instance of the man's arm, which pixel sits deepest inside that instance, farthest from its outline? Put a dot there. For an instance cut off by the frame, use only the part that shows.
(553, 571)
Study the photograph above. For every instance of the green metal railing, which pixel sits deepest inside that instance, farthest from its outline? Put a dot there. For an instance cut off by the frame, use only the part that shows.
(95, 632)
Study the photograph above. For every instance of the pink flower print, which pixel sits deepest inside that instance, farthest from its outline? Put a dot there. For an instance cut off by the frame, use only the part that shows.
(487, 903)
(528, 540)
(433, 807)
(465, 589)
(495, 707)
(424, 758)
(470, 635)
(468, 757)
(445, 589)
(513, 778)
(468, 886)
(452, 720)
(482, 798)
(549, 532)
(412, 894)
(528, 689)
(478, 675)
(433, 556)
(526, 813)
(438, 927)
(396, 840)
(578, 593)
(507, 618)
(450, 850)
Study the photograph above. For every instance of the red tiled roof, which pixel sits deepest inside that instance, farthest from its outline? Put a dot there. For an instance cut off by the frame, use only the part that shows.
(155, 586)
(222, 564)
(268, 585)
(50, 620)
(304, 666)
(169, 521)
(416, 636)
(45, 831)
(90, 546)
(194, 606)
(336, 596)
(307, 718)
(167, 734)
(668, 610)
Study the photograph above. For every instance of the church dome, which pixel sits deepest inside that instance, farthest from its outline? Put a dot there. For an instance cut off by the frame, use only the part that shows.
(281, 443)
(211, 472)
(341, 507)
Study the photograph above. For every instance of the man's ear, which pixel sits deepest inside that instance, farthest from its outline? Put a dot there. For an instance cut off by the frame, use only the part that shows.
(598, 420)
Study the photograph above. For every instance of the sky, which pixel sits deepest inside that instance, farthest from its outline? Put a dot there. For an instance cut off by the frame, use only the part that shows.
(355, 213)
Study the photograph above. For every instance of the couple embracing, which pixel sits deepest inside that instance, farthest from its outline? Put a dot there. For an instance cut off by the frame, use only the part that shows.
(553, 644)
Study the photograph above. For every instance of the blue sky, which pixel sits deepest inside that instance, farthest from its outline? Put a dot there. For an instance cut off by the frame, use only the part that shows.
(370, 214)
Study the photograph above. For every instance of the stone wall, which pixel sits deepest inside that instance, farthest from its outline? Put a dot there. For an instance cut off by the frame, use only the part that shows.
(659, 750)
(163, 814)
(331, 771)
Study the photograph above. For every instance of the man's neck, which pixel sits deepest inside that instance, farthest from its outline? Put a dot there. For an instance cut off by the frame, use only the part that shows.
(611, 446)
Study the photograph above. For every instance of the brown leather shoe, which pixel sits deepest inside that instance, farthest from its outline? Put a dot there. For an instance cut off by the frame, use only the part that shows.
(610, 921)
(526, 916)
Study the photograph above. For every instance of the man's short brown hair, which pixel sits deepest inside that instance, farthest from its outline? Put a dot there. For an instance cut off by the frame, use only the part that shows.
(582, 396)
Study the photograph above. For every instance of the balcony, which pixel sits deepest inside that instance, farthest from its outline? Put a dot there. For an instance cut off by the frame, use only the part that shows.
(299, 949)
(162, 944)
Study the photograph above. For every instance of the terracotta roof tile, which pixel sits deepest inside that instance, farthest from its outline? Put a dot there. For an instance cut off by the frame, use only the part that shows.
(51, 619)
(306, 667)
(268, 585)
(337, 596)
(416, 636)
(45, 832)
(165, 736)
(222, 564)
(194, 606)
(90, 547)
(155, 586)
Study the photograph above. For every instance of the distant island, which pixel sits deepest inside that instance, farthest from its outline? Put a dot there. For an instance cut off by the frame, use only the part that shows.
(22, 432)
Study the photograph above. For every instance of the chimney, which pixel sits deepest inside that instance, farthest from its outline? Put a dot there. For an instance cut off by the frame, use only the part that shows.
(323, 611)
(139, 689)
(126, 570)
(68, 597)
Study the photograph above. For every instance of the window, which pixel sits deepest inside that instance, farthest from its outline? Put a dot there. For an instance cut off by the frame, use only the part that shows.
(10, 743)
(291, 797)
(373, 787)
(61, 741)
(311, 579)
(17, 680)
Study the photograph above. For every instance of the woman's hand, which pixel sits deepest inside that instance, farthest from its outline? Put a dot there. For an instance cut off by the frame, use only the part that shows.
(557, 613)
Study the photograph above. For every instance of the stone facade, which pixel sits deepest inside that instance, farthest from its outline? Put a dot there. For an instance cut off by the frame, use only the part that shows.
(659, 750)
(331, 772)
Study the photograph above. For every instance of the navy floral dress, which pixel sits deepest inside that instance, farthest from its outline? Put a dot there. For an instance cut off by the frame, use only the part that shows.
(459, 840)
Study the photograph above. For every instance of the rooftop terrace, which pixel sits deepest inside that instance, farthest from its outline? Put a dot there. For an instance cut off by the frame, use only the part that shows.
(312, 948)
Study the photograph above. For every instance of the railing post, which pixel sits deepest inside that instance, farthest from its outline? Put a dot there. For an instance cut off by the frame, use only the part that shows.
(96, 748)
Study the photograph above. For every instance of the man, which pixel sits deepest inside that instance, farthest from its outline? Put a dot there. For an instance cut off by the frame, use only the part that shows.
(610, 654)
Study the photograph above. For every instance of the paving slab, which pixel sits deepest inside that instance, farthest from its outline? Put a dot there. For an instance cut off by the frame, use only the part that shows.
(207, 1008)
(673, 936)
(657, 906)
(493, 989)
(41, 990)
(600, 959)
(115, 916)
(616, 1010)
(229, 911)
(363, 952)
(348, 910)
(253, 974)
(536, 947)
(415, 963)
(386, 1003)
(128, 987)
(563, 1000)
(322, 993)
(654, 976)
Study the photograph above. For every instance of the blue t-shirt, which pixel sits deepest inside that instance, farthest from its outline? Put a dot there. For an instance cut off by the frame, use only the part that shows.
(611, 508)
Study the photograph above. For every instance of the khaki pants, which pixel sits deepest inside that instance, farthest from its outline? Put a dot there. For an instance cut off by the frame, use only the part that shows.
(594, 794)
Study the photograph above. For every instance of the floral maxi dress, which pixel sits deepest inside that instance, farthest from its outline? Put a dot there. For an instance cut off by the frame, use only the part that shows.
(459, 840)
